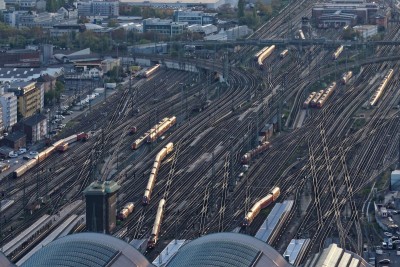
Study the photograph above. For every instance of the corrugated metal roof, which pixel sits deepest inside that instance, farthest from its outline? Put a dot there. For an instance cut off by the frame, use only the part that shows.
(269, 225)
(294, 248)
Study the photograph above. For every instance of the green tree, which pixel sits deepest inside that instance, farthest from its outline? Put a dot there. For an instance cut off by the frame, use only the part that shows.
(240, 8)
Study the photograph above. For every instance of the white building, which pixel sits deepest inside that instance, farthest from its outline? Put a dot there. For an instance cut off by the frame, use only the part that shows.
(205, 29)
(211, 4)
(366, 31)
(98, 8)
(2, 5)
(110, 63)
(9, 105)
(395, 180)
(237, 32)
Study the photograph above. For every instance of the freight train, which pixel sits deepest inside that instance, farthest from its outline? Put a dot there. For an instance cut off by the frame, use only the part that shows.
(306, 103)
(346, 77)
(157, 225)
(254, 152)
(154, 172)
(263, 54)
(126, 211)
(48, 151)
(261, 204)
(154, 132)
(150, 71)
(327, 93)
(378, 92)
(337, 53)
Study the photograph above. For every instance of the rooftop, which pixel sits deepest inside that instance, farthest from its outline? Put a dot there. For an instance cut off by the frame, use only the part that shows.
(227, 249)
(166, 2)
(15, 136)
(86, 250)
(34, 119)
(97, 188)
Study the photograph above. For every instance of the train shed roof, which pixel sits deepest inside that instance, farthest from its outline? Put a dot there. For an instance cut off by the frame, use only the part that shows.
(87, 249)
(228, 249)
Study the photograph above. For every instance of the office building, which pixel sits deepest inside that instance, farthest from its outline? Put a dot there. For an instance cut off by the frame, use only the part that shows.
(195, 17)
(29, 98)
(98, 8)
(164, 26)
(101, 200)
(9, 106)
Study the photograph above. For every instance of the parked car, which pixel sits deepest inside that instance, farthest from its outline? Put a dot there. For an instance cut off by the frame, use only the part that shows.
(22, 150)
(26, 157)
(13, 154)
(33, 153)
(388, 234)
(385, 261)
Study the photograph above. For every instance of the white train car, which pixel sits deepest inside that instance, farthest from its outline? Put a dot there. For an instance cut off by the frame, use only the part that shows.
(337, 53)
(154, 172)
(284, 53)
(150, 71)
(346, 77)
(264, 55)
(378, 92)
(157, 225)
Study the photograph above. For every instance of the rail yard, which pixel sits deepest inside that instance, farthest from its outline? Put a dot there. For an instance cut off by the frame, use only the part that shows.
(185, 146)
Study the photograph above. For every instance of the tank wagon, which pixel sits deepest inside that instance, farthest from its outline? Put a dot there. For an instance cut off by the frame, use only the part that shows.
(378, 92)
(306, 103)
(254, 152)
(154, 171)
(157, 225)
(346, 77)
(261, 204)
(60, 145)
(126, 211)
(337, 53)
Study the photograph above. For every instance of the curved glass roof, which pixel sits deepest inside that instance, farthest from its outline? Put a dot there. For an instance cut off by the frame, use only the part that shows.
(216, 253)
(227, 250)
(74, 254)
(87, 250)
